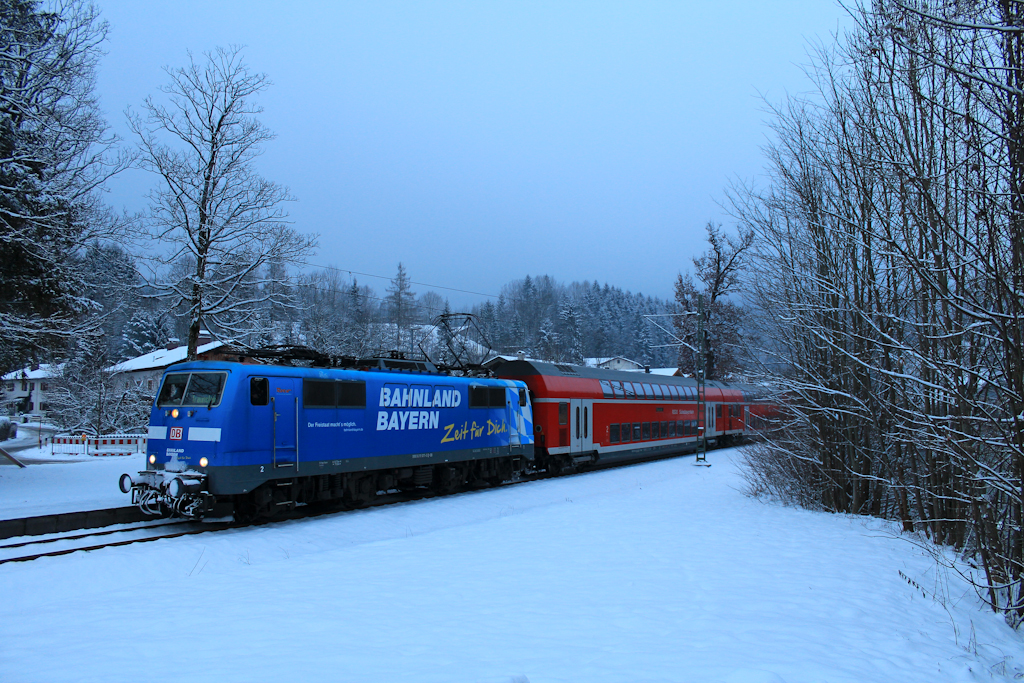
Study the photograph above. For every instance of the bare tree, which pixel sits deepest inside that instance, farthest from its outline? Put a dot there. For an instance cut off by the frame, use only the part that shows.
(212, 208)
(889, 264)
(719, 270)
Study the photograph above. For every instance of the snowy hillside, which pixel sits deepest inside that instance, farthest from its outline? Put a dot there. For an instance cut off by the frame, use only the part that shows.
(657, 572)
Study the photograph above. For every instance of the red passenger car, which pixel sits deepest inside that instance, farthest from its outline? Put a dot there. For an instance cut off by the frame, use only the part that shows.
(582, 415)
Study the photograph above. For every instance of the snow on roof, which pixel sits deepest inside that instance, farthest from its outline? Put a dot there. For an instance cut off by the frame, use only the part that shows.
(44, 371)
(160, 358)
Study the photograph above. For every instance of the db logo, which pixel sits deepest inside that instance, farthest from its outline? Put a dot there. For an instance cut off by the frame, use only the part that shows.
(176, 433)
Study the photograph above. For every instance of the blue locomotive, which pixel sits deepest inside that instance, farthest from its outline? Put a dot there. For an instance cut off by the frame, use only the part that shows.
(251, 440)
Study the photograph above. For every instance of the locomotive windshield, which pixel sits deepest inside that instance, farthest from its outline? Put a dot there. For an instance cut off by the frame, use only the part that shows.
(191, 389)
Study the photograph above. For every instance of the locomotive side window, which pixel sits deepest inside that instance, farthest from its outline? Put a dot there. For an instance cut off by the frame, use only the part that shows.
(351, 393)
(479, 397)
(563, 413)
(486, 397)
(173, 389)
(317, 393)
(497, 397)
(522, 398)
(259, 391)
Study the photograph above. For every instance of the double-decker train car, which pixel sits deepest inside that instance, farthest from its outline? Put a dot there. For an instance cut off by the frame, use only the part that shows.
(249, 439)
(583, 415)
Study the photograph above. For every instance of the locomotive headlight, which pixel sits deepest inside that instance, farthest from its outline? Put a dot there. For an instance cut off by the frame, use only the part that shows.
(152, 458)
(203, 462)
(174, 413)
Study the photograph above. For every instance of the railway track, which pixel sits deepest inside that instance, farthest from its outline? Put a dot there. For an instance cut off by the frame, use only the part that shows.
(47, 543)
(53, 545)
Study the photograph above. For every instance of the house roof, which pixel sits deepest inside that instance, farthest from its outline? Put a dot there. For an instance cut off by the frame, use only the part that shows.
(44, 371)
(666, 372)
(161, 358)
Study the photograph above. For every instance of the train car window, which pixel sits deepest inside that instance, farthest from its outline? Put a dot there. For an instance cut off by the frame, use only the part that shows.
(613, 433)
(617, 388)
(628, 386)
(657, 392)
(479, 397)
(497, 396)
(664, 430)
(259, 391)
(648, 391)
(318, 393)
(563, 413)
(173, 389)
(718, 410)
(577, 422)
(351, 393)
(204, 389)
(606, 389)
(522, 398)
(585, 421)
(671, 428)
(647, 431)
(636, 431)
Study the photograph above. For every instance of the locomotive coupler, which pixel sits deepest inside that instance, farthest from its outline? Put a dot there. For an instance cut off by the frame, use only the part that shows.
(159, 492)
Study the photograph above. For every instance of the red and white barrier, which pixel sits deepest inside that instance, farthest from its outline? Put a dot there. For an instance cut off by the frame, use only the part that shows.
(109, 444)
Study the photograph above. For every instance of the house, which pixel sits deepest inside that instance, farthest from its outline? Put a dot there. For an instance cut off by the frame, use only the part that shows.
(144, 372)
(613, 363)
(23, 392)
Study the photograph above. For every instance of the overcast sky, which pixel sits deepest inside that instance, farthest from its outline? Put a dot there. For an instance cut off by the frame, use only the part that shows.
(479, 142)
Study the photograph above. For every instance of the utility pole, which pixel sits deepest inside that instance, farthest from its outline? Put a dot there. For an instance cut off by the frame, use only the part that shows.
(702, 439)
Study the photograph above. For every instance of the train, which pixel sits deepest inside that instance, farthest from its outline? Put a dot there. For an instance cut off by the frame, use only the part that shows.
(251, 440)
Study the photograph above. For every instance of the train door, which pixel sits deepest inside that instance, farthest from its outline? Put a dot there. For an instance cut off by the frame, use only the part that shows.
(711, 428)
(284, 402)
(581, 425)
(515, 416)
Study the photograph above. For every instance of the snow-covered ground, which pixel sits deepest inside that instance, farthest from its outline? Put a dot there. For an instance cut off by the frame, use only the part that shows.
(72, 483)
(657, 572)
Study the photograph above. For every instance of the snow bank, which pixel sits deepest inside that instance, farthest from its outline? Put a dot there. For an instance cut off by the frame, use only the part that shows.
(658, 572)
